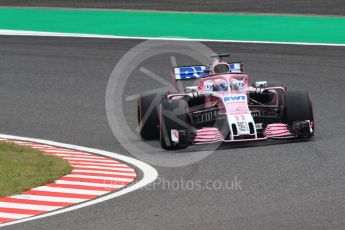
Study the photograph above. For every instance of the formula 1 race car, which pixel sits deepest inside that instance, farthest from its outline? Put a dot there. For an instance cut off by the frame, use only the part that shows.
(223, 107)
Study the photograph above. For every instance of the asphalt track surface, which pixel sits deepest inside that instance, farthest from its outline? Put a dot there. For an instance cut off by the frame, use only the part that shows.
(323, 7)
(54, 88)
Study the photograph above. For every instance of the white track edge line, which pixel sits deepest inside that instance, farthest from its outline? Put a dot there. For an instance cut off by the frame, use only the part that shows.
(79, 35)
(149, 175)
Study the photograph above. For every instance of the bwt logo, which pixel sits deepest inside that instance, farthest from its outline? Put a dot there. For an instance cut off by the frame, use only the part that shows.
(235, 98)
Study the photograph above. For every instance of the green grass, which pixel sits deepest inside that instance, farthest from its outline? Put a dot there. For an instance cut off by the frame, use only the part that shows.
(22, 168)
(222, 26)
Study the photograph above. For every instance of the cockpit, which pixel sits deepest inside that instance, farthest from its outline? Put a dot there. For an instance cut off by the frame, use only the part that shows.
(224, 85)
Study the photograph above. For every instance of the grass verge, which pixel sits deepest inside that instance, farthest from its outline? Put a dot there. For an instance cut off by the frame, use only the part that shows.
(22, 168)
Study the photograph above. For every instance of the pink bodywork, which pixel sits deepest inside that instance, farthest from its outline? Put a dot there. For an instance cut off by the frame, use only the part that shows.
(235, 109)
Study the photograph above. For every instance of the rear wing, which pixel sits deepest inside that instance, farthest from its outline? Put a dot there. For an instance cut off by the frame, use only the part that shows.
(201, 71)
(190, 72)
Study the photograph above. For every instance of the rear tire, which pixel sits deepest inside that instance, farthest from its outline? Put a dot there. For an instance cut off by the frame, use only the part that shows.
(173, 115)
(147, 108)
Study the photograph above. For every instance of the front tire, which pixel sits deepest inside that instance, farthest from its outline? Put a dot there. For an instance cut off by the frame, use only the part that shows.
(298, 108)
(148, 115)
(174, 115)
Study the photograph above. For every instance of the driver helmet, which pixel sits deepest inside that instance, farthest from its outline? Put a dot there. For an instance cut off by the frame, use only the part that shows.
(220, 85)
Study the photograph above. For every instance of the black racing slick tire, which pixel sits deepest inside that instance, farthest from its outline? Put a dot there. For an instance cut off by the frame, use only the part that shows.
(173, 116)
(148, 115)
(298, 107)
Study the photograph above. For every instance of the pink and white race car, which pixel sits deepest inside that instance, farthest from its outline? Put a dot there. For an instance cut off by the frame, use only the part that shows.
(223, 107)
